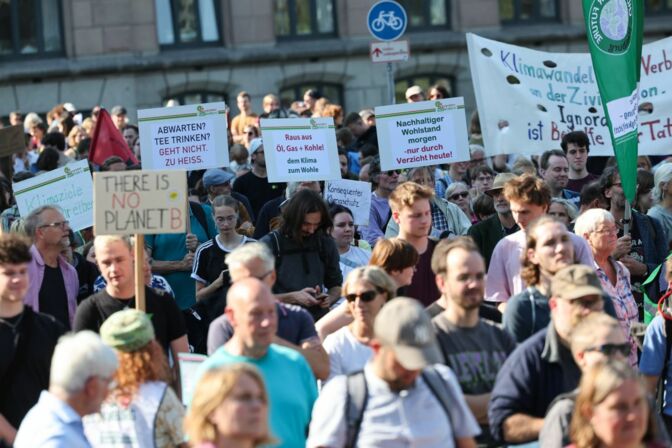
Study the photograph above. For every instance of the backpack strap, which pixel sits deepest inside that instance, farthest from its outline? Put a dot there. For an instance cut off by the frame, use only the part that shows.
(199, 214)
(355, 404)
(437, 385)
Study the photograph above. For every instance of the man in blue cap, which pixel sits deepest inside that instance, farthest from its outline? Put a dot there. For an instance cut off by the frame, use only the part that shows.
(217, 181)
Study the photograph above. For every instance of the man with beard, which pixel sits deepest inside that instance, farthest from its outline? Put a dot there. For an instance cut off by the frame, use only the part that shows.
(402, 398)
(486, 234)
(254, 184)
(474, 348)
(554, 170)
(542, 367)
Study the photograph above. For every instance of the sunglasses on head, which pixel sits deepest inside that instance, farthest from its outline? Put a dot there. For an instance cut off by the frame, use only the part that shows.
(366, 296)
(612, 349)
(464, 194)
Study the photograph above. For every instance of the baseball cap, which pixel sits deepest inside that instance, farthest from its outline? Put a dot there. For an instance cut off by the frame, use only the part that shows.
(217, 176)
(254, 145)
(574, 282)
(413, 90)
(118, 110)
(500, 180)
(366, 114)
(127, 330)
(404, 326)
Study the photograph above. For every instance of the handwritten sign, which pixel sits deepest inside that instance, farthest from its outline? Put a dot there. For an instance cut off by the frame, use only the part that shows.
(527, 99)
(69, 188)
(353, 194)
(12, 140)
(300, 149)
(422, 134)
(140, 202)
(184, 138)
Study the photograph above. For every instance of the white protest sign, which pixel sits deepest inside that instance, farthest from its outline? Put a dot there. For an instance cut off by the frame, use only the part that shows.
(140, 202)
(69, 188)
(189, 365)
(421, 134)
(300, 149)
(353, 194)
(184, 137)
(527, 99)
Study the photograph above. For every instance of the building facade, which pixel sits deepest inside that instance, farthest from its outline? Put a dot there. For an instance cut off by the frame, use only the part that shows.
(142, 53)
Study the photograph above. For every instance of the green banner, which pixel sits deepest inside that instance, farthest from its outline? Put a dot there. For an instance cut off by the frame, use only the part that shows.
(614, 29)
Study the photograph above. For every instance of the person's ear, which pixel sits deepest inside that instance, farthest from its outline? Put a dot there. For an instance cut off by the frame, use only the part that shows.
(395, 216)
(440, 281)
(532, 256)
(230, 316)
(552, 303)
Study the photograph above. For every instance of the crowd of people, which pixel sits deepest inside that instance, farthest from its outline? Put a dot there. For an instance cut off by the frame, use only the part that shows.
(493, 302)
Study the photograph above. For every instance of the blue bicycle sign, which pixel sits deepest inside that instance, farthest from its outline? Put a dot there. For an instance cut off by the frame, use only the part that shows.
(387, 20)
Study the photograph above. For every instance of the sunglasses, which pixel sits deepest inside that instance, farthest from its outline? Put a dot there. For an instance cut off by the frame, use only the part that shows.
(612, 349)
(366, 296)
(462, 195)
(391, 172)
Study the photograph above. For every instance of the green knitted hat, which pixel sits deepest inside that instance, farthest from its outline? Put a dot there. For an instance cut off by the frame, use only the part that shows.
(127, 330)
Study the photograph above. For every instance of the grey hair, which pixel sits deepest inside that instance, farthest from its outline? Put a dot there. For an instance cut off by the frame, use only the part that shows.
(78, 357)
(33, 221)
(247, 252)
(662, 175)
(589, 220)
(570, 208)
(421, 169)
(452, 187)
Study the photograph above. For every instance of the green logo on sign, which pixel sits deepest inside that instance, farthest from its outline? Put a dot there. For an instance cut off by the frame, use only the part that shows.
(611, 25)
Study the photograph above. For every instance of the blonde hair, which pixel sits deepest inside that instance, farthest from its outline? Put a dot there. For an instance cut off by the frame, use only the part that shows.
(212, 389)
(373, 275)
(407, 193)
(596, 385)
(105, 240)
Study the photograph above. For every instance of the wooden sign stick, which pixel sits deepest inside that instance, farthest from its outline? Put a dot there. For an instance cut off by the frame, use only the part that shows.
(140, 272)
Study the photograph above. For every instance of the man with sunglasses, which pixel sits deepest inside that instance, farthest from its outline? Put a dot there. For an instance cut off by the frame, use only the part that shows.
(54, 284)
(384, 182)
(474, 348)
(542, 367)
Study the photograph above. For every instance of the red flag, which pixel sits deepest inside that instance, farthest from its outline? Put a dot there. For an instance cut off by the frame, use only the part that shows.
(107, 141)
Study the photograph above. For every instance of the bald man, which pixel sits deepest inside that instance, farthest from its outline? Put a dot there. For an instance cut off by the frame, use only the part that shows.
(250, 307)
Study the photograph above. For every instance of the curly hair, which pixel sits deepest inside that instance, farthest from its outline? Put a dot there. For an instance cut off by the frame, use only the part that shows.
(148, 363)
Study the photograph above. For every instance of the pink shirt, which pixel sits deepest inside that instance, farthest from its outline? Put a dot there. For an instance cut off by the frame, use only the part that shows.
(36, 276)
(503, 280)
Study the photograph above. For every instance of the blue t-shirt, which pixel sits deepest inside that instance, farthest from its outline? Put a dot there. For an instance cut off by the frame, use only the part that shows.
(172, 247)
(653, 357)
(291, 387)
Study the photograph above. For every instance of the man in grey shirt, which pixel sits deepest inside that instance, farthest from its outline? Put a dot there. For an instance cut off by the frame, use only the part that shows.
(474, 348)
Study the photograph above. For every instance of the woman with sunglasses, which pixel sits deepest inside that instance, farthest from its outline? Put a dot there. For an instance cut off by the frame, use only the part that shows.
(366, 290)
(458, 194)
(598, 227)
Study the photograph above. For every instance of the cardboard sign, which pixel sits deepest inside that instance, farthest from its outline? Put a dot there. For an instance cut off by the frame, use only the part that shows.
(11, 140)
(184, 138)
(422, 134)
(300, 149)
(353, 194)
(69, 188)
(140, 202)
(189, 365)
(528, 99)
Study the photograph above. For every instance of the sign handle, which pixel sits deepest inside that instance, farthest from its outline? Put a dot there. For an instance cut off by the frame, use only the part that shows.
(186, 198)
(139, 272)
(390, 84)
(627, 218)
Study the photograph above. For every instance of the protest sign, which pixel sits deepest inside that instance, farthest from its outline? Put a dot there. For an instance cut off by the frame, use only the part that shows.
(184, 137)
(353, 194)
(140, 202)
(189, 365)
(69, 188)
(421, 134)
(527, 99)
(12, 140)
(300, 149)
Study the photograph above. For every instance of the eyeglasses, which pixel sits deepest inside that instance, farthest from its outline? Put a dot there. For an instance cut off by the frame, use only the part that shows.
(366, 296)
(462, 195)
(612, 349)
(60, 224)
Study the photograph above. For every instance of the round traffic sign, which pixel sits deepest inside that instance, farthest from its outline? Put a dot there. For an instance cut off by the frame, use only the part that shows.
(387, 20)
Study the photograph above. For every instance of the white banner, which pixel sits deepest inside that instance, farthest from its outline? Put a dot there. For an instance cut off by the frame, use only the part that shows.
(353, 194)
(184, 137)
(300, 149)
(527, 99)
(69, 188)
(422, 134)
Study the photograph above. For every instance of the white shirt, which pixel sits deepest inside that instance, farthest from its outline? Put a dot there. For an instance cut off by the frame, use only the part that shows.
(353, 258)
(346, 353)
(410, 418)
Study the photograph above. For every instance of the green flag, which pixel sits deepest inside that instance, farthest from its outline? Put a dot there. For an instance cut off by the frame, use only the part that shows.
(614, 29)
